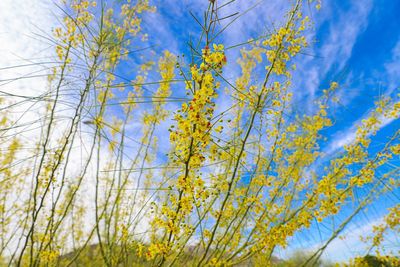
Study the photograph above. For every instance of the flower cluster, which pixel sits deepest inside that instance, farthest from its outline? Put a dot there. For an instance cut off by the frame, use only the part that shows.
(190, 139)
(284, 44)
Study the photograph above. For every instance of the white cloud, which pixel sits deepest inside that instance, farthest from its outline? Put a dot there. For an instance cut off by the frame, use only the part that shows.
(393, 69)
(334, 48)
(350, 245)
(348, 136)
(343, 34)
(21, 22)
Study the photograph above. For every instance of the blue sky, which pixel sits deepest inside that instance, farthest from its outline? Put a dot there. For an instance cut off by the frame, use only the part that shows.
(354, 42)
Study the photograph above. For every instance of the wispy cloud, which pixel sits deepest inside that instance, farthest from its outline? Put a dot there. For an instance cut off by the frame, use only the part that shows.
(350, 245)
(393, 69)
(344, 29)
(348, 136)
(332, 45)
